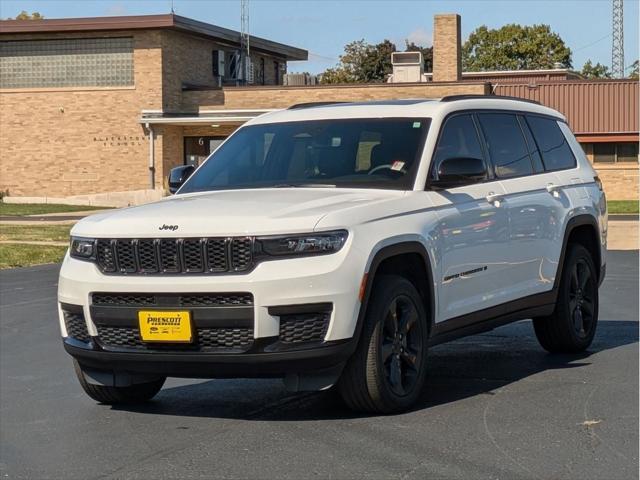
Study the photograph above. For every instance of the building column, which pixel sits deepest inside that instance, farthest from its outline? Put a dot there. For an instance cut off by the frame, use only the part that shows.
(447, 50)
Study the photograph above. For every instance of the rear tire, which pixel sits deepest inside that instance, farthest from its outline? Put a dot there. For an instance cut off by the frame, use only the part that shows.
(387, 372)
(137, 393)
(572, 326)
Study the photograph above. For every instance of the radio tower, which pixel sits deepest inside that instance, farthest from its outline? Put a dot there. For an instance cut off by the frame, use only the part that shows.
(617, 50)
(245, 59)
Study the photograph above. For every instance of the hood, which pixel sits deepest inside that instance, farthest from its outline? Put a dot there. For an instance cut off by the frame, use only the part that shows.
(230, 213)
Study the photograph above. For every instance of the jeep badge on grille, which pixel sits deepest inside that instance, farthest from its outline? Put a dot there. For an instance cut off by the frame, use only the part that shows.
(168, 227)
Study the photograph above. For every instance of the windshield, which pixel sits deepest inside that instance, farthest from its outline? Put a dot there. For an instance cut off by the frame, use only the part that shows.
(360, 153)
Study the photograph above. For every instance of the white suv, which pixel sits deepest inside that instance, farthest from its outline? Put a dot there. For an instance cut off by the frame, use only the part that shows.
(332, 244)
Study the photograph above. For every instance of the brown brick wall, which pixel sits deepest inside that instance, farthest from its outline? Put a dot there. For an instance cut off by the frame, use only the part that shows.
(61, 142)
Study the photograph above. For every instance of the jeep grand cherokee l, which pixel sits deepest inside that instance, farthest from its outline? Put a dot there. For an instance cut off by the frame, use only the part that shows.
(334, 244)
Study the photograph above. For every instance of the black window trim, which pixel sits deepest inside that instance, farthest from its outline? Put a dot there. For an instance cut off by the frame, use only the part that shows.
(488, 160)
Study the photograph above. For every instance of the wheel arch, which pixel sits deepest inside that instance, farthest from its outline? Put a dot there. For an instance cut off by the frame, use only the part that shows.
(582, 229)
(386, 260)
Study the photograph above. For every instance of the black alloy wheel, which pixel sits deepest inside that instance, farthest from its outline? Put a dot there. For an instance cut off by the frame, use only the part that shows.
(402, 345)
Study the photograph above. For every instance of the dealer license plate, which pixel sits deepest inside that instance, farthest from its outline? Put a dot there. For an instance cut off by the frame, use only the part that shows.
(171, 327)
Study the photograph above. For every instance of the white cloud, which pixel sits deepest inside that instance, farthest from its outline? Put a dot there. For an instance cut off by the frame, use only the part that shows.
(420, 37)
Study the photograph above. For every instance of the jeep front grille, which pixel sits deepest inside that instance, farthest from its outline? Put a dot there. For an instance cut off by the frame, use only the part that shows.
(174, 255)
(229, 340)
(113, 299)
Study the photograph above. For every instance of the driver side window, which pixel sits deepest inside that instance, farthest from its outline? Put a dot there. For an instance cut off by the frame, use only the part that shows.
(458, 139)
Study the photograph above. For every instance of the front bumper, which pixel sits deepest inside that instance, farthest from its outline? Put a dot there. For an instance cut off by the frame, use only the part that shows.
(258, 362)
(275, 287)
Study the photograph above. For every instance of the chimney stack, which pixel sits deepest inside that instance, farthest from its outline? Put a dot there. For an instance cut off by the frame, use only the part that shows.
(447, 51)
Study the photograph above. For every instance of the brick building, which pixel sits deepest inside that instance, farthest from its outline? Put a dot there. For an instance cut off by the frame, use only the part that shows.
(99, 109)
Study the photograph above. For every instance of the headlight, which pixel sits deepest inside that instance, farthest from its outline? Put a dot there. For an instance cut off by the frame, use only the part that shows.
(82, 248)
(300, 245)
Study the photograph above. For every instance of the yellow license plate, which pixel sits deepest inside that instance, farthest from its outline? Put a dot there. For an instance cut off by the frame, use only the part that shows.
(173, 327)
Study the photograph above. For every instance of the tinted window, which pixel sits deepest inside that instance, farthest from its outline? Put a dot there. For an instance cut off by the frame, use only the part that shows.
(459, 139)
(365, 153)
(507, 148)
(536, 159)
(555, 151)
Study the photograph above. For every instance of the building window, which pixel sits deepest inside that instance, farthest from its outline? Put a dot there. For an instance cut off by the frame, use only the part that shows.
(276, 73)
(79, 62)
(615, 152)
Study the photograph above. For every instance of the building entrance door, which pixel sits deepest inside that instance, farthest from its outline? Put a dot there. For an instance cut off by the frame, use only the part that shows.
(197, 149)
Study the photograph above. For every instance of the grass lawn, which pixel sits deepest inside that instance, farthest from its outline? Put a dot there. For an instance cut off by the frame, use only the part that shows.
(16, 209)
(622, 206)
(56, 233)
(15, 255)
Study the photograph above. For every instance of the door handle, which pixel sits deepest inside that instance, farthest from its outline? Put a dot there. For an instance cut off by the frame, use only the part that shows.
(553, 189)
(494, 198)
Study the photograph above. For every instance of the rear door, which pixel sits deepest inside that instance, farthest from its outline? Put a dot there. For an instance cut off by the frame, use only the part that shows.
(472, 230)
(534, 206)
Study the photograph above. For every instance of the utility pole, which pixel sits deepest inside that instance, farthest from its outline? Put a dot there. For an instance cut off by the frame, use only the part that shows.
(617, 48)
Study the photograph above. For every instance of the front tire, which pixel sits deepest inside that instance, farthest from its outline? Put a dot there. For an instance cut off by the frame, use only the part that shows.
(572, 326)
(386, 373)
(137, 393)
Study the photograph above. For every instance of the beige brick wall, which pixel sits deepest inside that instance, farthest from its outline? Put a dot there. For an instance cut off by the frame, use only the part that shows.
(447, 58)
(60, 142)
(620, 181)
(274, 97)
(187, 59)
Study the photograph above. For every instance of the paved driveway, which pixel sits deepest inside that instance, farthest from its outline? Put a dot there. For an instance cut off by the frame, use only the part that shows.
(497, 406)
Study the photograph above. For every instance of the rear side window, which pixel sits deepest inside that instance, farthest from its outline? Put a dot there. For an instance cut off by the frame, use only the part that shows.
(459, 139)
(507, 147)
(555, 151)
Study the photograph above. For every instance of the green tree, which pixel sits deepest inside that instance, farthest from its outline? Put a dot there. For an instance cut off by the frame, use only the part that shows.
(514, 47)
(595, 71)
(427, 54)
(362, 63)
(23, 15)
(634, 70)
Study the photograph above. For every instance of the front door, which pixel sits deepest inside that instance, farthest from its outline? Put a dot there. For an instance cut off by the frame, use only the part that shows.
(472, 231)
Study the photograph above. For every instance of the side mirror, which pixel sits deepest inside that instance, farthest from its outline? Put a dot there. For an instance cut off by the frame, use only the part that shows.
(178, 176)
(460, 171)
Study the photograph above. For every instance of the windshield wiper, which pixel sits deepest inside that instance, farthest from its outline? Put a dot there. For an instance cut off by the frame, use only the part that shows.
(304, 185)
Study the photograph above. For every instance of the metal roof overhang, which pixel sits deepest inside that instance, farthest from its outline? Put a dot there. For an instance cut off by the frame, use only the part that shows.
(204, 117)
(163, 21)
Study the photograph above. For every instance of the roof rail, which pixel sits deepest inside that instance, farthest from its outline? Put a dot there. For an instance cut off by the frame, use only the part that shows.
(299, 106)
(453, 98)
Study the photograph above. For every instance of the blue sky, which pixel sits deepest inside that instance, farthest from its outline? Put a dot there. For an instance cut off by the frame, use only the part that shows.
(324, 27)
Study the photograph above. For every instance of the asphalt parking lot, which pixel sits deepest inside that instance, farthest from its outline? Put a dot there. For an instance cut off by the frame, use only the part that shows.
(497, 406)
